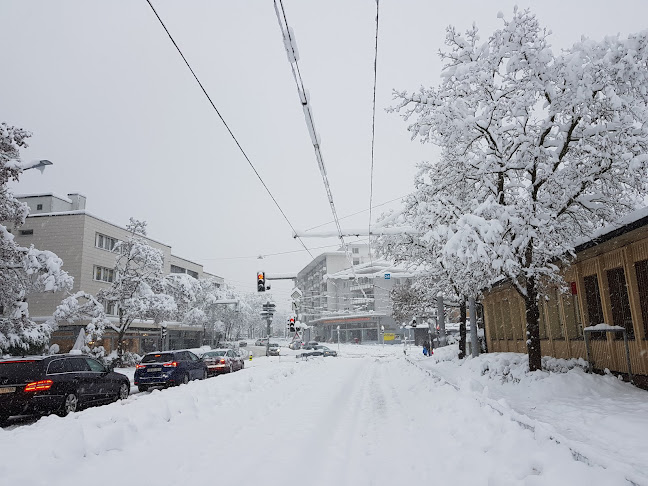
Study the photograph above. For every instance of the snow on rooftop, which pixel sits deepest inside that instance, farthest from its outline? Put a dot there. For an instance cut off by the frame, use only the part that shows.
(624, 221)
(46, 194)
(375, 269)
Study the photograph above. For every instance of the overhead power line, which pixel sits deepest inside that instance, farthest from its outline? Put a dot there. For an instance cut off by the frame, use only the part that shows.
(293, 59)
(275, 254)
(373, 125)
(356, 213)
(226, 125)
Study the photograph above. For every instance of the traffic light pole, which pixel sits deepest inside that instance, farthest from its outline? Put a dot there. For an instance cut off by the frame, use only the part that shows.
(267, 312)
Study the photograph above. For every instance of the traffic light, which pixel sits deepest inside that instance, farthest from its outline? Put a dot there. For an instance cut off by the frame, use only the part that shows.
(292, 324)
(261, 286)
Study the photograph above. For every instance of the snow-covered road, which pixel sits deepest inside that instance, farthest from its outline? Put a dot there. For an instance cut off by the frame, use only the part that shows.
(367, 418)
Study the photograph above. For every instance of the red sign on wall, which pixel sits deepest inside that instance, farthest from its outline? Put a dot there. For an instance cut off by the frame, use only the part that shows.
(574, 289)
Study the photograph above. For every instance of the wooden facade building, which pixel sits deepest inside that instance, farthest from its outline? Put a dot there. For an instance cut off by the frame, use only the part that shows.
(607, 283)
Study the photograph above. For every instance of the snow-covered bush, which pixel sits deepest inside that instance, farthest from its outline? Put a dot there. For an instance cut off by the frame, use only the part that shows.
(128, 359)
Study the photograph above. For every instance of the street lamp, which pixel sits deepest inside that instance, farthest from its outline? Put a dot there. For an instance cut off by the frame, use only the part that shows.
(35, 164)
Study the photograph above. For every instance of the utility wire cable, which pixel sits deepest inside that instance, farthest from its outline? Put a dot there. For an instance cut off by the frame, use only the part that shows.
(356, 213)
(226, 125)
(277, 253)
(293, 59)
(373, 126)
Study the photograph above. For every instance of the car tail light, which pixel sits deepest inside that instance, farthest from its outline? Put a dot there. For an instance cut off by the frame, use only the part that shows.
(39, 385)
(140, 366)
(172, 364)
(222, 361)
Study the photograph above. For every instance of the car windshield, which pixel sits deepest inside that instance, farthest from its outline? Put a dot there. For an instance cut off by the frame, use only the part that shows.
(274, 345)
(213, 354)
(157, 358)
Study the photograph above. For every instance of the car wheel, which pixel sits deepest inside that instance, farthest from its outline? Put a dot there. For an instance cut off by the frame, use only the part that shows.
(204, 376)
(124, 390)
(70, 404)
(185, 379)
(4, 420)
(230, 368)
(142, 388)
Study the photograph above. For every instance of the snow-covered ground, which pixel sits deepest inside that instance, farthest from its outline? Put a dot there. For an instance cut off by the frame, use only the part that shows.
(372, 416)
(600, 418)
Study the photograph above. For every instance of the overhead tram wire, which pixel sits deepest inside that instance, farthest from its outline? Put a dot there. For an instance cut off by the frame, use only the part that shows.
(227, 126)
(356, 213)
(273, 254)
(373, 127)
(293, 58)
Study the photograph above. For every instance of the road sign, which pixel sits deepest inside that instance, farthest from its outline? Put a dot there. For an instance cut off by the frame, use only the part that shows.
(387, 276)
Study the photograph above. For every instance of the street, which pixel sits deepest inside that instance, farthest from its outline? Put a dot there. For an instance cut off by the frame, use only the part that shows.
(369, 417)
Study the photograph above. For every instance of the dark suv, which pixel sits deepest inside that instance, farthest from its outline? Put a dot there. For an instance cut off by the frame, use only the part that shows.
(61, 383)
(165, 368)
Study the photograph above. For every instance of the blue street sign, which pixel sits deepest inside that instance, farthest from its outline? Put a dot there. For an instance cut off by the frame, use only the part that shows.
(387, 276)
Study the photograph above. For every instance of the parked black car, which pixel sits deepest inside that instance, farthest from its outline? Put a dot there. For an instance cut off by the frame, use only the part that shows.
(164, 368)
(61, 383)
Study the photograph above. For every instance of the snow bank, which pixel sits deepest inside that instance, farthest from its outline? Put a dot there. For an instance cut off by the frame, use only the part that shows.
(600, 417)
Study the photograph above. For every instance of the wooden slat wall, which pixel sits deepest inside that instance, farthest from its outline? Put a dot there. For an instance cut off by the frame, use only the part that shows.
(504, 313)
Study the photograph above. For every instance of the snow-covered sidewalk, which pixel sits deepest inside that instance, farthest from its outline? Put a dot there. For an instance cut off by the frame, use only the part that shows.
(599, 417)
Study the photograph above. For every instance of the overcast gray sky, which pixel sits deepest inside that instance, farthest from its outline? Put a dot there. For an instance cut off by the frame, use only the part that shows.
(111, 103)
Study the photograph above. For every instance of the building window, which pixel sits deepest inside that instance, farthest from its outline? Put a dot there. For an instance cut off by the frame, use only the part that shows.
(593, 305)
(27, 232)
(356, 250)
(619, 300)
(356, 261)
(105, 242)
(39, 207)
(193, 274)
(110, 308)
(177, 269)
(641, 268)
(104, 274)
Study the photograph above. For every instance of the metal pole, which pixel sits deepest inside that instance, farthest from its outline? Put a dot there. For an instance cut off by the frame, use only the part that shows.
(338, 330)
(441, 319)
(474, 341)
(587, 351)
(625, 341)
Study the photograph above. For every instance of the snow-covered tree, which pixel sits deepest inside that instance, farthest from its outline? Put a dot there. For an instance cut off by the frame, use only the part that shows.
(138, 273)
(409, 300)
(23, 271)
(183, 289)
(82, 306)
(431, 209)
(552, 145)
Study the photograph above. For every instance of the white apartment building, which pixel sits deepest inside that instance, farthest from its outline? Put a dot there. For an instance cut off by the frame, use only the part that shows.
(84, 242)
(366, 305)
(319, 296)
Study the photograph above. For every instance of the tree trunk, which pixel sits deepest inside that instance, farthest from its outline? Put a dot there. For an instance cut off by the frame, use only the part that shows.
(533, 326)
(120, 345)
(462, 329)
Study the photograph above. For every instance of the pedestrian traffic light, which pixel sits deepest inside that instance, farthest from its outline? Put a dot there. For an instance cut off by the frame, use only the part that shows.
(261, 286)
